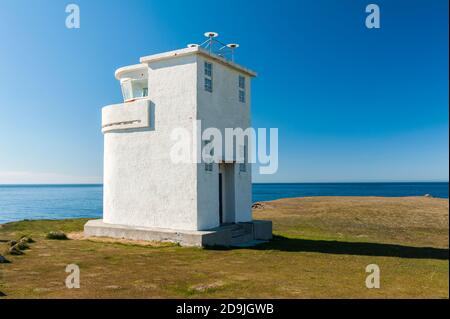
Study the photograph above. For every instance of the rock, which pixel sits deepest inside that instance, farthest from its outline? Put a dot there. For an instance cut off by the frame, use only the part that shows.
(21, 245)
(14, 250)
(257, 206)
(3, 260)
(12, 242)
(26, 239)
(58, 235)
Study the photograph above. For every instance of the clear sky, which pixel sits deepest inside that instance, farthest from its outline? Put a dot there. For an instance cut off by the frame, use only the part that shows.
(350, 103)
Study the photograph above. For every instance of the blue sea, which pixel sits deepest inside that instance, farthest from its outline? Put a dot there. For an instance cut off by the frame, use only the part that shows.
(18, 202)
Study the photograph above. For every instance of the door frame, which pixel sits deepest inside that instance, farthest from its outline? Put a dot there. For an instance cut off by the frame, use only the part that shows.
(227, 193)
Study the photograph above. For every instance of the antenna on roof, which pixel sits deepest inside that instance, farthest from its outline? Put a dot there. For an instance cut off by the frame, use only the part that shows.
(232, 46)
(210, 41)
(222, 51)
(211, 34)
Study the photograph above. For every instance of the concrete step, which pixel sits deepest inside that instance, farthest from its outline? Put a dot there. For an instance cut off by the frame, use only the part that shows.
(238, 232)
(251, 243)
(231, 226)
(242, 239)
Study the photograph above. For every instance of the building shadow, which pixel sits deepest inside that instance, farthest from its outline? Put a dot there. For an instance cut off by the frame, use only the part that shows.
(281, 243)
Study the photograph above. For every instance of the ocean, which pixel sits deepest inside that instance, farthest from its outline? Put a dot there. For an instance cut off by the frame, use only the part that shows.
(18, 202)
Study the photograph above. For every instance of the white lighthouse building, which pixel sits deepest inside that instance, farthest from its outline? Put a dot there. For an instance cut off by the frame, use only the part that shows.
(149, 196)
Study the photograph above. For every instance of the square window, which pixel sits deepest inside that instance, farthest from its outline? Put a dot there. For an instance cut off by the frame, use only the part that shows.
(208, 166)
(241, 82)
(205, 143)
(208, 85)
(241, 96)
(208, 69)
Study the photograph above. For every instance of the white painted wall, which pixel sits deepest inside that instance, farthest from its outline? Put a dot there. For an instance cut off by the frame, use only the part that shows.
(142, 187)
(222, 109)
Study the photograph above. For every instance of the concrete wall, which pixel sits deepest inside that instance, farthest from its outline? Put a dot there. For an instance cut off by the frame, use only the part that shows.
(142, 187)
(222, 109)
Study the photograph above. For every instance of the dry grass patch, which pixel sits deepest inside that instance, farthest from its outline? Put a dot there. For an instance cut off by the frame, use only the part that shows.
(123, 241)
(321, 248)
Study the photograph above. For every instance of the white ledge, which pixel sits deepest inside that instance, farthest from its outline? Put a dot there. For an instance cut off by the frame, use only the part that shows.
(124, 116)
(130, 68)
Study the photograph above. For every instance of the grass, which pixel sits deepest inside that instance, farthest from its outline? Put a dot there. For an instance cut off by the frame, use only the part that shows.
(320, 250)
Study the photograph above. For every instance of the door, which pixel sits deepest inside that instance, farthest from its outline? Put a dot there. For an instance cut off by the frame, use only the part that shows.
(226, 193)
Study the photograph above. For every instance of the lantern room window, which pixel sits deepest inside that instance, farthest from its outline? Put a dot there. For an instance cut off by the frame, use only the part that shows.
(133, 89)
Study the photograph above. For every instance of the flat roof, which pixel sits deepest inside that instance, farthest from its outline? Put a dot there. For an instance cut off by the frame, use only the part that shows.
(129, 68)
(196, 50)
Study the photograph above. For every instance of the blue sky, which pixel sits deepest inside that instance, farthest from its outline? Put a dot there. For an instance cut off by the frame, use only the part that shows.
(350, 103)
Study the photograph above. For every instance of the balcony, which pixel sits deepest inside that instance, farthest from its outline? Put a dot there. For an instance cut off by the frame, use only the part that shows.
(126, 116)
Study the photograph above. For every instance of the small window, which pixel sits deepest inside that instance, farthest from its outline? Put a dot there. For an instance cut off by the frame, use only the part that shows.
(208, 85)
(208, 69)
(127, 90)
(241, 82)
(208, 166)
(241, 96)
(208, 77)
(133, 88)
(241, 89)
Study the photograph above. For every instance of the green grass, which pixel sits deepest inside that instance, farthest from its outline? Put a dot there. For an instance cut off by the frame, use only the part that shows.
(320, 250)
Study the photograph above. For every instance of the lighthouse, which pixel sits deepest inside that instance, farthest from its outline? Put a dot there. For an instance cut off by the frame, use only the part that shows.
(149, 196)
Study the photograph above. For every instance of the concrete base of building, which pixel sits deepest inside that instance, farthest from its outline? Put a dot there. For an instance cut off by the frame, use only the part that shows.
(226, 235)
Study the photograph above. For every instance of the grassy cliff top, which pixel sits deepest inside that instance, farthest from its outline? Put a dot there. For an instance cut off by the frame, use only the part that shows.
(321, 248)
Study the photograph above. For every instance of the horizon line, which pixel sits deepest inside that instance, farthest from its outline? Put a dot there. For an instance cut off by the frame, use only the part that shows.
(330, 182)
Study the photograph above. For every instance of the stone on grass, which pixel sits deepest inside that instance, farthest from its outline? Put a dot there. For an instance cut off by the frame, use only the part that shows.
(3, 260)
(14, 250)
(58, 235)
(12, 242)
(257, 206)
(21, 245)
(26, 239)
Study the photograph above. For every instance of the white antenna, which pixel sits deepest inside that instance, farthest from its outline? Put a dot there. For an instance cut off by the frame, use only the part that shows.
(222, 51)
(210, 36)
(232, 46)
